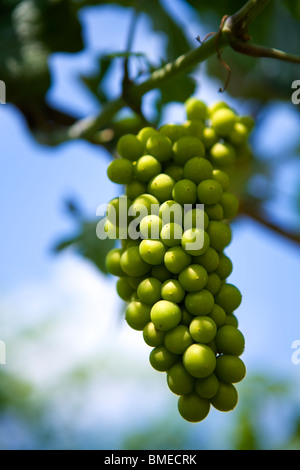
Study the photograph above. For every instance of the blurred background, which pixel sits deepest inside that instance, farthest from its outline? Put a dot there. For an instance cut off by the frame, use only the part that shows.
(76, 377)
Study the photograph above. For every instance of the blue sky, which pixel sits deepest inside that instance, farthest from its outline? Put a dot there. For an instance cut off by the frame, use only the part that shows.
(35, 180)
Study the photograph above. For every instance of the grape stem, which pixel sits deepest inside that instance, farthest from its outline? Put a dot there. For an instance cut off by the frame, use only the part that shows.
(233, 33)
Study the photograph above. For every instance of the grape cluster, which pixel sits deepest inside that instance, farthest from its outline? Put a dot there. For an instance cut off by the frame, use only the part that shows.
(178, 296)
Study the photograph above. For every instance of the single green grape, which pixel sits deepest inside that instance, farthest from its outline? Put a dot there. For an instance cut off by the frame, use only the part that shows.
(113, 262)
(185, 192)
(196, 218)
(179, 380)
(146, 132)
(187, 147)
(171, 234)
(186, 317)
(150, 227)
(216, 106)
(160, 146)
(152, 252)
(203, 329)
(135, 188)
(146, 168)
(213, 284)
(149, 290)
(178, 339)
(161, 187)
(222, 155)
(161, 272)
(195, 241)
(129, 147)
(218, 315)
(214, 211)
(120, 171)
(132, 263)
(225, 266)
(199, 360)
(198, 169)
(209, 191)
(229, 297)
(209, 260)
(196, 109)
(226, 398)
(199, 303)
(219, 235)
(137, 315)
(239, 134)
(232, 320)
(209, 137)
(124, 289)
(222, 177)
(143, 205)
(165, 315)
(207, 387)
(170, 211)
(173, 291)
(193, 278)
(193, 408)
(230, 205)
(176, 259)
(175, 171)
(152, 336)
(230, 340)
(223, 120)
(193, 127)
(230, 369)
(161, 359)
(172, 131)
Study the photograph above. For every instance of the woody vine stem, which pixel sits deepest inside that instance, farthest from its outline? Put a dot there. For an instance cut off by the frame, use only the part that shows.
(233, 33)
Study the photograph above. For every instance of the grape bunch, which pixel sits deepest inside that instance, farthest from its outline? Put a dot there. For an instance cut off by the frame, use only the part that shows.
(176, 290)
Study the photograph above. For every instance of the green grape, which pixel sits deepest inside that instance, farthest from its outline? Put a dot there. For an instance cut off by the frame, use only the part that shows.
(129, 147)
(214, 211)
(115, 207)
(137, 315)
(178, 339)
(144, 204)
(149, 290)
(113, 262)
(207, 387)
(209, 191)
(160, 146)
(232, 320)
(171, 211)
(120, 171)
(222, 155)
(196, 218)
(199, 303)
(199, 360)
(213, 284)
(239, 134)
(209, 137)
(161, 187)
(152, 336)
(161, 359)
(218, 314)
(161, 272)
(173, 291)
(219, 235)
(135, 281)
(124, 289)
(197, 169)
(135, 188)
(193, 278)
(222, 178)
(230, 205)
(175, 171)
(179, 380)
(132, 263)
(229, 297)
(171, 234)
(223, 120)
(186, 317)
(225, 266)
(165, 315)
(176, 259)
(172, 131)
(230, 340)
(230, 369)
(209, 260)
(193, 408)
(152, 252)
(216, 106)
(193, 127)
(187, 147)
(203, 329)
(195, 241)
(226, 398)
(146, 168)
(150, 227)
(144, 134)
(185, 192)
(248, 121)
(196, 109)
